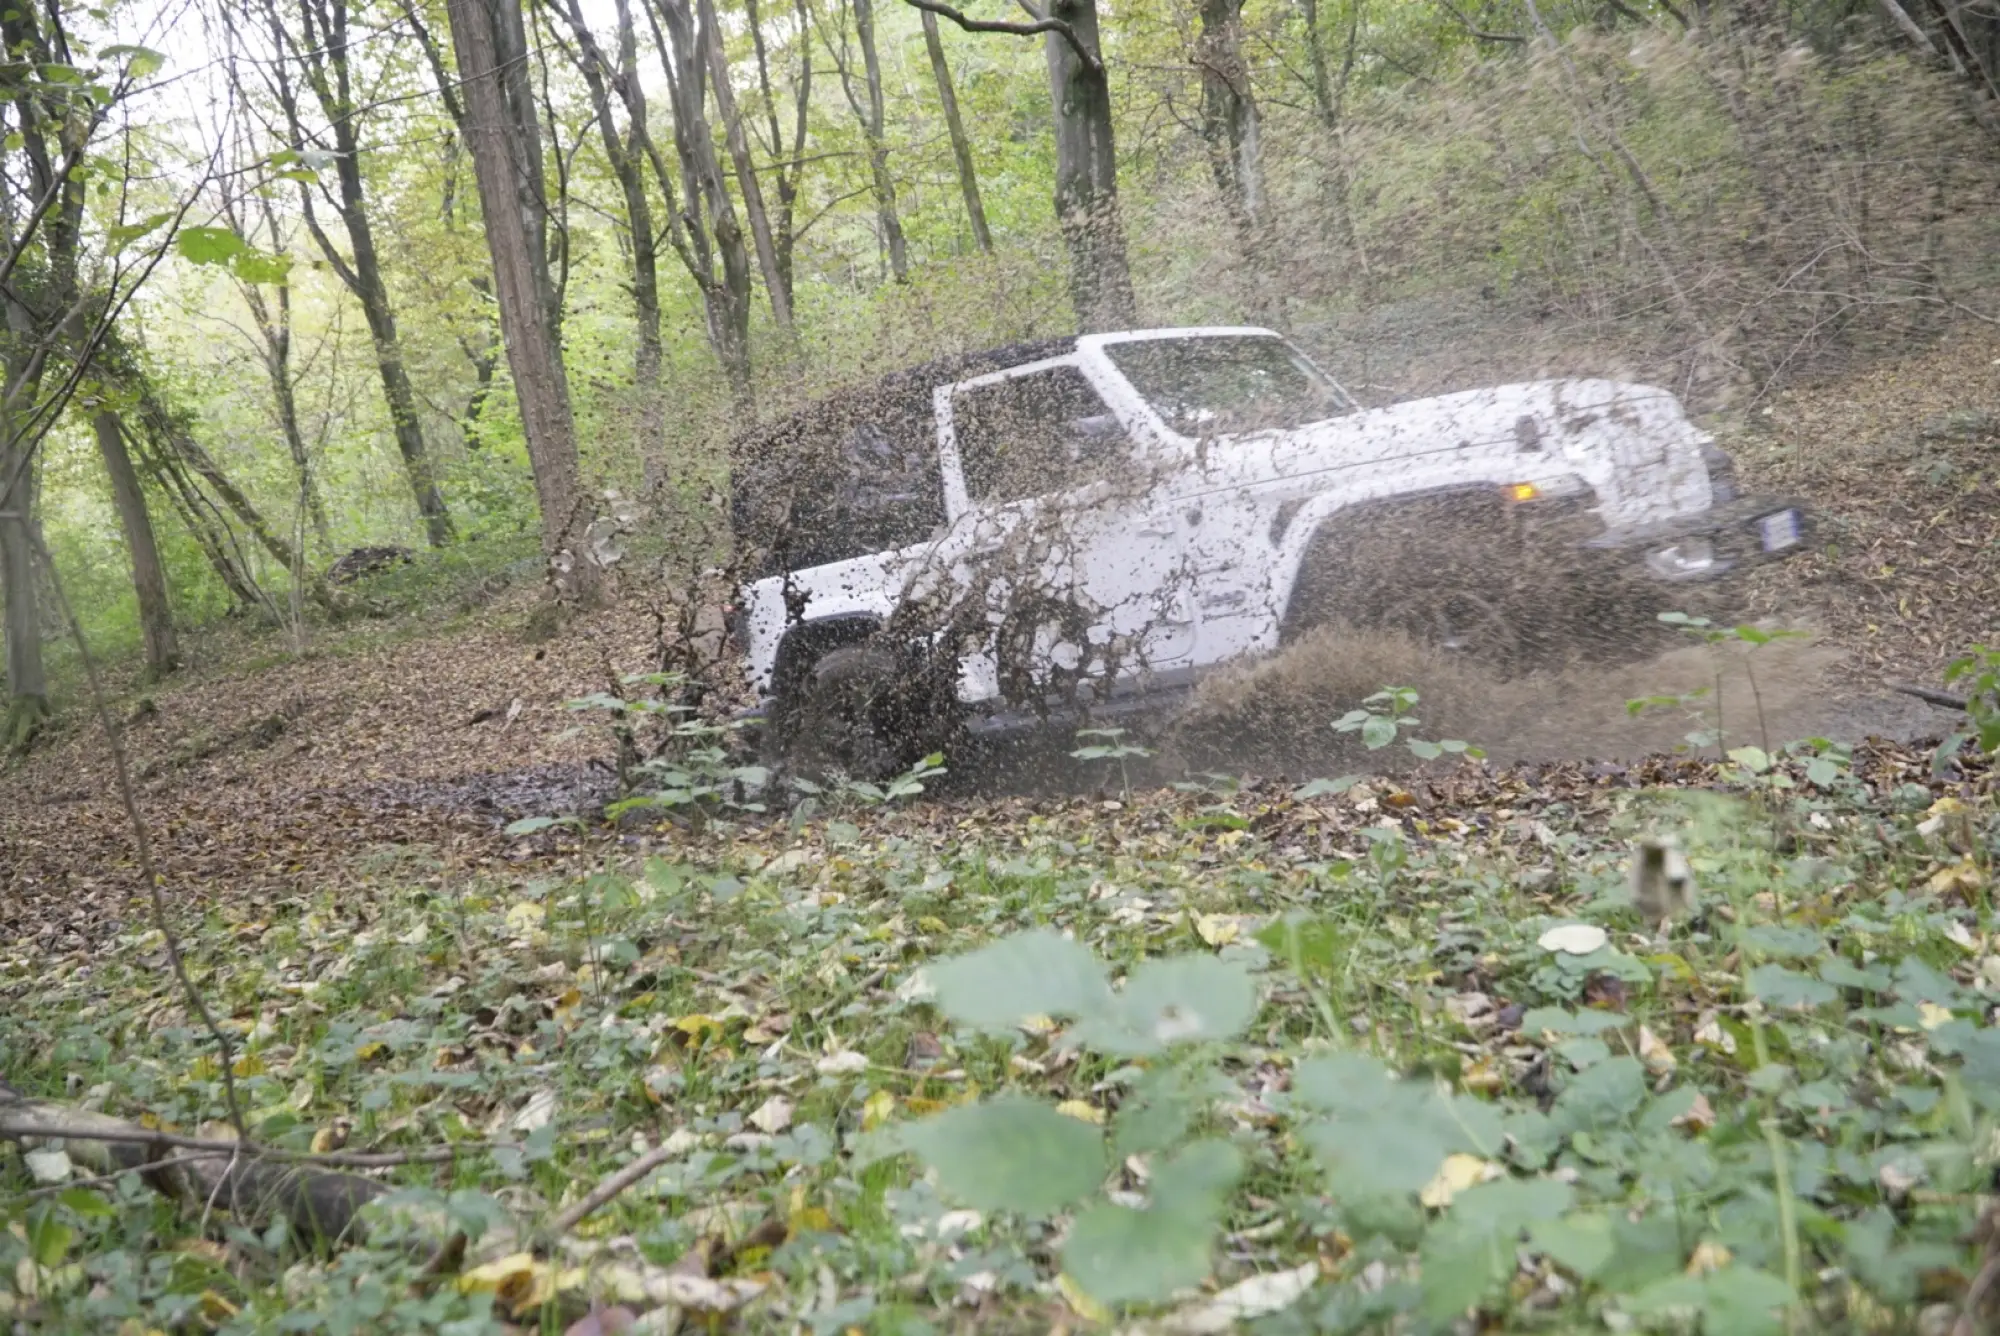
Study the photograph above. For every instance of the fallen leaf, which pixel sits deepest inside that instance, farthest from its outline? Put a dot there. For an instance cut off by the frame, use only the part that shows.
(847, 1062)
(48, 1166)
(1700, 1116)
(1574, 939)
(1247, 1299)
(1708, 1256)
(773, 1116)
(601, 1321)
(1659, 1059)
(537, 1113)
(1217, 929)
(1458, 1173)
(1960, 878)
(1931, 1015)
(1081, 1110)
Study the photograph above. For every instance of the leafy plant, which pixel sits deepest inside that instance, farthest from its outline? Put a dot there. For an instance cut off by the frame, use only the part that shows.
(1012, 1153)
(1386, 715)
(1977, 674)
(1113, 747)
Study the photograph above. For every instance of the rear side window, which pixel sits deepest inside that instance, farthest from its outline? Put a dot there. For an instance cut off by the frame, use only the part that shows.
(1034, 434)
(851, 478)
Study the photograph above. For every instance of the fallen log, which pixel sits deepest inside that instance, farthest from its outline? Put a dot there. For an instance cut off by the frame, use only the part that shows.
(323, 1206)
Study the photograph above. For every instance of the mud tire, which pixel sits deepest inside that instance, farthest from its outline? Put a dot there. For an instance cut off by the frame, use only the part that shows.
(843, 720)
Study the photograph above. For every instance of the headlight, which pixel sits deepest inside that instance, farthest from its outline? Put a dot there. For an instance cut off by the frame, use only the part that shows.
(1687, 558)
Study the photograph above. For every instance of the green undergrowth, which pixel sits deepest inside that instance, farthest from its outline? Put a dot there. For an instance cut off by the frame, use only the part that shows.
(1381, 1060)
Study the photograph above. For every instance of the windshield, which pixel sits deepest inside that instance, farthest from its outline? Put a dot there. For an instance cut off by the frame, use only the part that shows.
(1227, 384)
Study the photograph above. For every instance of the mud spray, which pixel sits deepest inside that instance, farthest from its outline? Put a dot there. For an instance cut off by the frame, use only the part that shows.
(1275, 716)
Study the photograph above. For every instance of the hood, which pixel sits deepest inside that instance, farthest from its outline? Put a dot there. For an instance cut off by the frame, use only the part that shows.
(1631, 443)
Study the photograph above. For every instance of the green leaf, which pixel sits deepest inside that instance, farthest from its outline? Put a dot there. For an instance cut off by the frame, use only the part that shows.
(1155, 1115)
(1010, 1153)
(1384, 1135)
(1558, 1020)
(1581, 1244)
(1754, 759)
(1846, 974)
(1179, 999)
(121, 237)
(1321, 787)
(140, 61)
(528, 825)
(1781, 987)
(1734, 1301)
(48, 1237)
(1123, 1255)
(1472, 1251)
(208, 245)
(1378, 731)
(254, 266)
(1038, 972)
(1784, 943)
(1607, 1093)
(1201, 1170)
(88, 1204)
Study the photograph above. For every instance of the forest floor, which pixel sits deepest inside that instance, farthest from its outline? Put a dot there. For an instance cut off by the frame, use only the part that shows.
(738, 988)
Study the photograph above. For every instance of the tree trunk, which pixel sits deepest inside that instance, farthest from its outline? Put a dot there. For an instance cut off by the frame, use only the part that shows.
(324, 63)
(200, 517)
(1229, 121)
(709, 36)
(149, 577)
(789, 160)
(961, 146)
(621, 151)
(27, 679)
(1086, 196)
(506, 157)
(878, 148)
(1230, 127)
(713, 232)
(173, 435)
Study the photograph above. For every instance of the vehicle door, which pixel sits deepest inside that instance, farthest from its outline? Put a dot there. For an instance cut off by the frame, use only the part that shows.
(1068, 564)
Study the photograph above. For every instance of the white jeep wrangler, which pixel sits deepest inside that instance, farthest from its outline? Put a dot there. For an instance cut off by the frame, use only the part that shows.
(1086, 526)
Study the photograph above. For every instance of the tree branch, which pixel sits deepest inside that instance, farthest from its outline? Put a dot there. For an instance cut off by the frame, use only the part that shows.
(1083, 53)
(1466, 22)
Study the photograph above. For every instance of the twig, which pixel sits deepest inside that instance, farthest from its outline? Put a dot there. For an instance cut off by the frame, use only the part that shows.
(612, 1186)
(332, 1159)
(1055, 25)
(1975, 1295)
(1931, 696)
(147, 870)
(1465, 21)
(98, 1180)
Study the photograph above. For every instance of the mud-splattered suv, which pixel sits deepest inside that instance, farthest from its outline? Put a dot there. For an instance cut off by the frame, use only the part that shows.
(1087, 526)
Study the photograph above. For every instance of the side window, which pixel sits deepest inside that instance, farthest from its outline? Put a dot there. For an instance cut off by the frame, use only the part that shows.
(892, 491)
(1035, 434)
(847, 479)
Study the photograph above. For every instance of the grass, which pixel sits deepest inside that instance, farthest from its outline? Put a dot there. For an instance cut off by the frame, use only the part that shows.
(1781, 1114)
